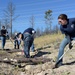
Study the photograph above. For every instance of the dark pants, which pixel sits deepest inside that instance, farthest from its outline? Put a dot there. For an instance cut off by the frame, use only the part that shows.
(17, 43)
(28, 40)
(32, 47)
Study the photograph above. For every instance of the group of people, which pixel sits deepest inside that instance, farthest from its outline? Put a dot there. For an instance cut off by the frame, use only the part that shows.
(67, 27)
(17, 41)
(27, 36)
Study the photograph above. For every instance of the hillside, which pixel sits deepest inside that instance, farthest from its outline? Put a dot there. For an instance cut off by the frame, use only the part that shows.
(46, 47)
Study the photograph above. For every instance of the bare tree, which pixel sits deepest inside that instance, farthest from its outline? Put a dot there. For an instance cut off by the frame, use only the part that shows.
(48, 19)
(0, 24)
(9, 15)
(46, 30)
(32, 21)
(56, 29)
(6, 23)
(0, 28)
(38, 32)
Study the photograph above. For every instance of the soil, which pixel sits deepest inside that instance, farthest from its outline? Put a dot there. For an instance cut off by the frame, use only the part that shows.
(40, 68)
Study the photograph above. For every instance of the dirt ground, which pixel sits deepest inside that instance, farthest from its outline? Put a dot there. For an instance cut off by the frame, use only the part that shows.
(15, 68)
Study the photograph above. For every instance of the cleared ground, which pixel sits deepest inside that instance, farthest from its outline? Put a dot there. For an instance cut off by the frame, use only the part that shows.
(45, 49)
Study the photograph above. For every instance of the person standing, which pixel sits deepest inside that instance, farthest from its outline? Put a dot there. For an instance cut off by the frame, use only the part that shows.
(67, 27)
(3, 36)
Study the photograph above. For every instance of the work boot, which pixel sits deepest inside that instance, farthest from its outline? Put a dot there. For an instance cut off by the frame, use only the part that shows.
(18, 46)
(56, 65)
(15, 47)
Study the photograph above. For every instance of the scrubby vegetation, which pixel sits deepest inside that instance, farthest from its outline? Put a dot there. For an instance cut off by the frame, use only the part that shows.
(47, 39)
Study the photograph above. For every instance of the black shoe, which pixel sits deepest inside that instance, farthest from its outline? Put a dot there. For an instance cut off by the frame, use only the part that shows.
(15, 47)
(57, 66)
(26, 56)
(18, 47)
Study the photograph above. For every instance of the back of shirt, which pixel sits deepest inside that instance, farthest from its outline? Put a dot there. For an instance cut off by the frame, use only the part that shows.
(30, 31)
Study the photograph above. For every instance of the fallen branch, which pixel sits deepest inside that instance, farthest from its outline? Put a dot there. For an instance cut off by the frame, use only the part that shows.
(26, 60)
(34, 60)
(13, 51)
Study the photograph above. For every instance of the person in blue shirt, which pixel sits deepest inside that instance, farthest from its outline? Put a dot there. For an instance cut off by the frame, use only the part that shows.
(67, 27)
(28, 38)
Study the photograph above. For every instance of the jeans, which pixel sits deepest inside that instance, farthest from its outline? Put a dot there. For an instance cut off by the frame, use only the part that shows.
(32, 47)
(63, 44)
(28, 40)
(3, 41)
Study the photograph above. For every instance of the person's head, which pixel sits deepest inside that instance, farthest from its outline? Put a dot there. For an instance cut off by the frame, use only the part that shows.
(62, 19)
(3, 27)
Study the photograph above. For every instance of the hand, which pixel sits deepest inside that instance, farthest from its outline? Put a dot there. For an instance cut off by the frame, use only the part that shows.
(70, 45)
(18, 38)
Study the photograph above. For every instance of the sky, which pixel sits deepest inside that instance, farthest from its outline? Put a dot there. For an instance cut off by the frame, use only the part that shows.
(26, 8)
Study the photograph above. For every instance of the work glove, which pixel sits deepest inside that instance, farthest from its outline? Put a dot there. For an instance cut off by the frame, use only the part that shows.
(71, 44)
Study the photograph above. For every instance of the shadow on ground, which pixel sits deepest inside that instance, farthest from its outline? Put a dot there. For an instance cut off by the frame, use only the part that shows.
(40, 53)
(5, 49)
(70, 63)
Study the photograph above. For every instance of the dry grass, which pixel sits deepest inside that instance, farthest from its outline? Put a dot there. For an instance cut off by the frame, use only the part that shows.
(47, 39)
(39, 41)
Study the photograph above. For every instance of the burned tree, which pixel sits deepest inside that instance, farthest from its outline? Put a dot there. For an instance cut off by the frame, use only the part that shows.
(9, 15)
(48, 19)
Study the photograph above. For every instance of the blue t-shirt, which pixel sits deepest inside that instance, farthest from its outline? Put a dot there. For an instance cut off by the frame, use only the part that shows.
(69, 28)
